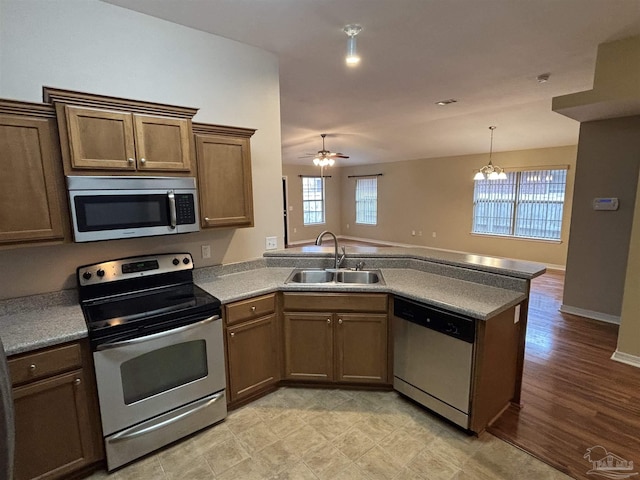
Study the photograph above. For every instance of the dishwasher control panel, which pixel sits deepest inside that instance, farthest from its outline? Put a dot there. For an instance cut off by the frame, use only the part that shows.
(442, 321)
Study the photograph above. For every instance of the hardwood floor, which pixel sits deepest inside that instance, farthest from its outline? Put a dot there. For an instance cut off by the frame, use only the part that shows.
(574, 396)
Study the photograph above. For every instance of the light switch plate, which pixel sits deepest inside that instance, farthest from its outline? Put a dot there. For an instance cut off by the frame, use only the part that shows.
(271, 243)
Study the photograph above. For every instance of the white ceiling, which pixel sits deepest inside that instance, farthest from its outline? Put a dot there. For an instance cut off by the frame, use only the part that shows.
(484, 53)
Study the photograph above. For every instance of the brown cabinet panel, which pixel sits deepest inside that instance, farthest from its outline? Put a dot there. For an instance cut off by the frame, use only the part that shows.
(353, 302)
(56, 414)
(32, 201)
(361, 348)
(252, 357)
(162, 143)
(251, 308)
(44, 363)
(224, 180)
(308, 345)
(100, 139)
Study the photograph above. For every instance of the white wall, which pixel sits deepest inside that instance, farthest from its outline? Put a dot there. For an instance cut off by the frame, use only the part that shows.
(90, 46)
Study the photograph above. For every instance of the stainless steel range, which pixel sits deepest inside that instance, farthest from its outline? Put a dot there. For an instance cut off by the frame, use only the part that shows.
(158, 352)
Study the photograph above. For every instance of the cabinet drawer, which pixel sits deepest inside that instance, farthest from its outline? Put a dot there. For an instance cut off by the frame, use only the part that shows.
(44, 363)
(335, 302)
(251, 308)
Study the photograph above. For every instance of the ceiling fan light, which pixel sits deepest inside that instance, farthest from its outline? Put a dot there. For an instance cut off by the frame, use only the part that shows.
(316, 161)
(331, 162)
(479, 176)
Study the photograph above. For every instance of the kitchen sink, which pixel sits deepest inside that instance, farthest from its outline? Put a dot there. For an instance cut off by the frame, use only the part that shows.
(358, 276)
(355, 277)
(310, 276)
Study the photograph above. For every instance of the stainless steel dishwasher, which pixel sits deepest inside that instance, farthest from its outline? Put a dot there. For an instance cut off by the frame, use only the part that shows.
(433, 358)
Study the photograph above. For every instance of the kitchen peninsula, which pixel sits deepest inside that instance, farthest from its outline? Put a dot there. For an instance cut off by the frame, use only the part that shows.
(262, 312)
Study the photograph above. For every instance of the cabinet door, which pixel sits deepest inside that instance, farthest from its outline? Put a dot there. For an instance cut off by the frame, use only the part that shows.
(308, 343)
(30, 202)
(100, 139)
(162, 144)
(252, 356)
(53, 428)
(224, 181)
(361, 347)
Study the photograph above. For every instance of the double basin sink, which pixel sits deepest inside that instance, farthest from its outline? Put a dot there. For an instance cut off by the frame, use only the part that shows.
(354, 277)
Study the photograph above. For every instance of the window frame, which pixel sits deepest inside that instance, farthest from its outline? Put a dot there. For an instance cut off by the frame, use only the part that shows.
(549, 203)
(365, 214)
(307, 202)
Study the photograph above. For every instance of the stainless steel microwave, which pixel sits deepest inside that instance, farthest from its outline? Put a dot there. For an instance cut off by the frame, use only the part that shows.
(104, 208)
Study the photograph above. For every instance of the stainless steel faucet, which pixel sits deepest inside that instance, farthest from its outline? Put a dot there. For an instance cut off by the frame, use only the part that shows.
(338, 261)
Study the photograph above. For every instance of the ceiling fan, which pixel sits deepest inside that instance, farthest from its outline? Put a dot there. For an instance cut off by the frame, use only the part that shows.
(324, 157)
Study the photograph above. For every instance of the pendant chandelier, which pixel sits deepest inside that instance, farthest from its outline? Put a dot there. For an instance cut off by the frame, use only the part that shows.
(491, 171)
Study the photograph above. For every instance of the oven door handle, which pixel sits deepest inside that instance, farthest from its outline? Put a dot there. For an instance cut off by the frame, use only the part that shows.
(154, 336)
(172, 210)
(137, 431)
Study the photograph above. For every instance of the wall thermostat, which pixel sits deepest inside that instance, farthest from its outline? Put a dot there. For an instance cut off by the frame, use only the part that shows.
(610, 203)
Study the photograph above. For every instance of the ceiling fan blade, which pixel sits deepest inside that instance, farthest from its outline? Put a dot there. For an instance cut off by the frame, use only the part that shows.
(340, 155)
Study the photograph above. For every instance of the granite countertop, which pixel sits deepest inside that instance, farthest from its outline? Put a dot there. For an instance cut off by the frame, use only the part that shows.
(38, 321)
(503, 266)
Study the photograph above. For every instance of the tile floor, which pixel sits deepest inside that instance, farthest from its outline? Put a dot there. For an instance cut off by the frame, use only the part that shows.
(297, 433)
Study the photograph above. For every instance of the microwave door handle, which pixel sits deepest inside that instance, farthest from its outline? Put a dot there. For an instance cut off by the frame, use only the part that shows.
(172, 209)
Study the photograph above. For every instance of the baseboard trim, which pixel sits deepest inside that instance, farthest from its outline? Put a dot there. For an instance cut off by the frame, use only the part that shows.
(581, 312)
(627, 358)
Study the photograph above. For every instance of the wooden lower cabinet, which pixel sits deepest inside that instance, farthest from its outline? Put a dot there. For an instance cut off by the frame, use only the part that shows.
(361, 348)
(348, 346)
(252, 335)
(56, 416)
(308, 340)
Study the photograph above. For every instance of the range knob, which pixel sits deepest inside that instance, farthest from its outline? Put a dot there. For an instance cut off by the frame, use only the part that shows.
(86, 275)
(186, 260)
(100, 273)
(175, 261)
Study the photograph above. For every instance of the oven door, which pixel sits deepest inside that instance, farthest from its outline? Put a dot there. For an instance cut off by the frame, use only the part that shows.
(146, 376)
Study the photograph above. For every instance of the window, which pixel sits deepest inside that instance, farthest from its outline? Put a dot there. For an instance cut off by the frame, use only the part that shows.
(527, 204)
(367, 201)
(313, 200)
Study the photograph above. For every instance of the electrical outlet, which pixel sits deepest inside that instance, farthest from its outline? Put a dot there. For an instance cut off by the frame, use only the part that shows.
(295, 230)
(413, 233)
(348, 226)
(433, 234)
(206, 251)
(271, 243)
(419, 233)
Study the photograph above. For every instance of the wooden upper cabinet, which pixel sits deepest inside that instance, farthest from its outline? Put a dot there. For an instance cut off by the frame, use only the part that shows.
(162, 143)
(100, 139)
(32, 196)
(225, 187)
(102, 135)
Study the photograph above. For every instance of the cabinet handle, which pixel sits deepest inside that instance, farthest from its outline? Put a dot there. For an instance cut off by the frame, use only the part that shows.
(206, 219)
(32, 367)
(328, 321)
(253, 308)
(130, 160)
(143, 161)
(340, 321)
(77, 381)
(233, 334)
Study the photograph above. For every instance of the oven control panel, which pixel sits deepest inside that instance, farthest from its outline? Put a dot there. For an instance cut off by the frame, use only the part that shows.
(133, 267)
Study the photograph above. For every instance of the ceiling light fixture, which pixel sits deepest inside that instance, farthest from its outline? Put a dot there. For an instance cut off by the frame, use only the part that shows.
(543, 77)
(352, 30)
(491, 171)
